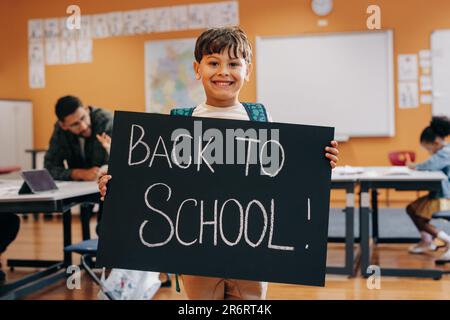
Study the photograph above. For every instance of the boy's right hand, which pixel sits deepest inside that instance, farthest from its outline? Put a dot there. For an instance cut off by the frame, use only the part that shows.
(102, 182)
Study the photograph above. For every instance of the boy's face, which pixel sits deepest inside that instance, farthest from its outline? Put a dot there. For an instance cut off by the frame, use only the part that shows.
(222, 78)
(435, 146)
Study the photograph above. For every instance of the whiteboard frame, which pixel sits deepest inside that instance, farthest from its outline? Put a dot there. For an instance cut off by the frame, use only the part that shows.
(390, 80)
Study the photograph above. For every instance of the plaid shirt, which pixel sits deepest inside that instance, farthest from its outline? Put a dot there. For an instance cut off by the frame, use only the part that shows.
(64, 145)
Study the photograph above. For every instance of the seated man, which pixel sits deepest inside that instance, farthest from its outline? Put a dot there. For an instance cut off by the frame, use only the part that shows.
(74, 141)
(74, 152)
(9, 227)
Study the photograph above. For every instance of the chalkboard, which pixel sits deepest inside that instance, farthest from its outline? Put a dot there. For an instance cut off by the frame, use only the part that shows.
(220, 198)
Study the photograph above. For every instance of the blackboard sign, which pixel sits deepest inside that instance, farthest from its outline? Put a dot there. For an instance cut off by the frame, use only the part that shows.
(221, 198)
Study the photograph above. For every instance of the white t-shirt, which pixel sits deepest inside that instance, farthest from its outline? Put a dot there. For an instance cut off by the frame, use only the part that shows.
(236, 112)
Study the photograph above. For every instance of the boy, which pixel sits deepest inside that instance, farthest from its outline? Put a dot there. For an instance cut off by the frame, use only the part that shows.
(223, 64)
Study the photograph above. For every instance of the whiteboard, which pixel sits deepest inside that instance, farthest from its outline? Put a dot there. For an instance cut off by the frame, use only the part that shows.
(440, 64)
(16, 133)
(344, 80)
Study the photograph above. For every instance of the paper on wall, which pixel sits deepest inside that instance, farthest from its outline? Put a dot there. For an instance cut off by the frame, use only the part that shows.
(197, 16)
(36, 68)
(52, 52)
(85, 31)
(84, 50)
(408, 94)
(51, 28)
(65, 32)
(148, 20)
(36, 76)
(222, 14)
(426, 99)
(425, 54)
(426, 83)
(68, 51)
(179, 18)
(99, 27)
(35, 29)
(132, 23)
(425, 63)
(161, 17)
(407, 67)
(115, 24)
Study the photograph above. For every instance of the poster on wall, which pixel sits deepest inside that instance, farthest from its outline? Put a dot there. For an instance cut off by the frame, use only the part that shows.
(169, 76)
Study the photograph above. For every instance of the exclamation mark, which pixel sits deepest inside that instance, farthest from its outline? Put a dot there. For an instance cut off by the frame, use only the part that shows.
(309, 217)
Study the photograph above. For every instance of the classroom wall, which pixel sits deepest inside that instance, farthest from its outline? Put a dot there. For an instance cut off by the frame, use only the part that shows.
(115, 79)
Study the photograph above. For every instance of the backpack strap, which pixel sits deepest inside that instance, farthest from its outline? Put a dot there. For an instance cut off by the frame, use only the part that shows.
(185, 112)
(256, 112)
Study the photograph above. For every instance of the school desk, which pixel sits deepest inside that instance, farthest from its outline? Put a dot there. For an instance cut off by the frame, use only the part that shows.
(61, 201)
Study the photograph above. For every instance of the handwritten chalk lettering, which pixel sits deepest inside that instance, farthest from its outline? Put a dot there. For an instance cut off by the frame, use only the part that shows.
(267, 231)
(208, 149)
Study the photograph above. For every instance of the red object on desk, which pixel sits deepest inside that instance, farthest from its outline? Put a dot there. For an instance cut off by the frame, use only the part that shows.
(6, 170)
(398, 158)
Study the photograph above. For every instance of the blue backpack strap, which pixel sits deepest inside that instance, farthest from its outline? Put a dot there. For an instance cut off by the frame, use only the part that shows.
(186, 112)
(256, 112)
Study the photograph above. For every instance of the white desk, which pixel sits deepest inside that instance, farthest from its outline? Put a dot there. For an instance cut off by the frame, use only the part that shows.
(374, 178)
(61, 201)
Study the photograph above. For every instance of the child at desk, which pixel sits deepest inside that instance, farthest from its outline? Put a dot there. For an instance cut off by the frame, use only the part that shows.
(433, 140)
(223, 64)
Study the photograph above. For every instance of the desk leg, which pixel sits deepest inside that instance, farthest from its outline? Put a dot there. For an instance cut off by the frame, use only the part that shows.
(85, 217)
(67, 235)
(349, 231)
(364, 213)
(375, 228)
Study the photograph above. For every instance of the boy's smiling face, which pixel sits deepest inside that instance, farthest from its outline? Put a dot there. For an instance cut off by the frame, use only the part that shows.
(222, 77)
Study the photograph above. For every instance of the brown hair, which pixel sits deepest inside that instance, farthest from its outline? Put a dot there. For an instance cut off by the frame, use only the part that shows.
(217, 40)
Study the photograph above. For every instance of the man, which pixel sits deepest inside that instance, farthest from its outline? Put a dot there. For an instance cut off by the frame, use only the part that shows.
(74, 141)
(75, 152)
(9, 227)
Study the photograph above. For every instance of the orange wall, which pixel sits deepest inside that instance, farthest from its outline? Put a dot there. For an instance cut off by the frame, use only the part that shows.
(115, 80)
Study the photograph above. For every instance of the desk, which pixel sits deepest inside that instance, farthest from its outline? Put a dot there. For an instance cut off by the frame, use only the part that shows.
(374, 178)
(61, 201)
(347, 183)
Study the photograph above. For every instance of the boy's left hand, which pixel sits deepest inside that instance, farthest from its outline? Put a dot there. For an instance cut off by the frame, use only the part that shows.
(332, 153)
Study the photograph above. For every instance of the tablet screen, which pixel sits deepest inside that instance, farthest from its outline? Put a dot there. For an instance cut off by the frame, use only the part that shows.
(39, 180)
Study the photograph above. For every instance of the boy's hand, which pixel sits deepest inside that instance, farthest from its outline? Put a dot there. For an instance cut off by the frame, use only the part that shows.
(102, 182)
(332, 153)
(409, 163)
(105, 140)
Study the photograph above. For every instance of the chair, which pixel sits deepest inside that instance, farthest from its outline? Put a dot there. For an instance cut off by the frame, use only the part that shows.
(88, 250)
(398, 158)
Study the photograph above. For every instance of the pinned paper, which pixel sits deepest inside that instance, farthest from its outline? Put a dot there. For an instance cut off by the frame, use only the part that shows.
(84, 50)
(115, 24)
(36, 68)
(222, 14)
(426, 99)
(179, 18)
(35, 29)
(162, 19)
(52, 28)
(132, 23)
(408, 95)
(52, 52)
(148, 20)
(99, 26)
(68, 51)
(425, 83)
(407, 67)
(197, 16)
(85, 31)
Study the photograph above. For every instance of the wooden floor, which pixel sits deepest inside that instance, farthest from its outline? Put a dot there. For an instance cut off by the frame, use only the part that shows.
(43, 240)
